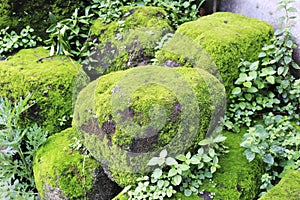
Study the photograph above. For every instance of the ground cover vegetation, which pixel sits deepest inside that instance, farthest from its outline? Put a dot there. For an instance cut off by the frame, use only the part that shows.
(263, 104)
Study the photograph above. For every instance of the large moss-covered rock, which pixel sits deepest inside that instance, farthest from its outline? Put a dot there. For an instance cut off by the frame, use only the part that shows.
(224, 37)
(128, 42)
(287, 189)
(62, 171)
(126, 117)
(18, 14)
(51, 81)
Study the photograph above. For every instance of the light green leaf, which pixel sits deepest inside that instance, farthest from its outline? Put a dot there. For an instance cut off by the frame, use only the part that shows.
(171, 161)
(177, 180)
(213, 169)
(268, 158)
(252, 90)
(187, 192)
(236, 91)
(163, 153)
(271, 79)
(247, 84)
(157, 173)
(249, 155)
(195, 160)
(254, 66)
(181, 157)
(184, 167)
(153, 161)
(172, 172)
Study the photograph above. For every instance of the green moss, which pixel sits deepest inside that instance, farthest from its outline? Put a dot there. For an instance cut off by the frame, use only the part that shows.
(237, 178)
(58, 168)
(287, 189)
(51, 81)
(221, 37)
(159, 103)
(130, 41)
(18, 14)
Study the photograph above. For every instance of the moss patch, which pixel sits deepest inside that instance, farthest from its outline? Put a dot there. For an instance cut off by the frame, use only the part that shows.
(59, 170)
(51, 81)
(237, 178)
(128, 42)
(143, 109)
(287, 189)
(224, 37)
(17, 14)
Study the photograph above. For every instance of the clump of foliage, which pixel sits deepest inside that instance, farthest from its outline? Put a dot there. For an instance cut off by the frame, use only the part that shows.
(277, 143)
(17, 149)
(70, 36)
(266, 100)
(267, 85)
(184, 173)
(10, 41)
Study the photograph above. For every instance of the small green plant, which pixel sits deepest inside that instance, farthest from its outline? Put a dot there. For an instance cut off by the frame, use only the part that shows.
(68, 36)
(267, 85)
(17, 149)
(184, 173)
(179, 11)
(277, 143)
(266, 100)
(11, 41)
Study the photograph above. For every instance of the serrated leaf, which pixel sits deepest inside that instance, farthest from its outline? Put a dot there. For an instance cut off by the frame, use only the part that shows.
(171, 161)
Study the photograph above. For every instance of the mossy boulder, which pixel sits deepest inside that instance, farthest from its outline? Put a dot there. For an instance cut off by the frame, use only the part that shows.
(224, 37)
(18, 14)
(287, 189)
(63, 171)
(128, 42)
(51, 81)
(127, 117)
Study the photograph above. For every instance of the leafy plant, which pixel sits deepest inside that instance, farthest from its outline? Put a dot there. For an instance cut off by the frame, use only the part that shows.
(266, 100)
(179, 11)
(68, 36)
(11, 41)
(17, 149)
(267, 85)
(277, 143)
(184, 173)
